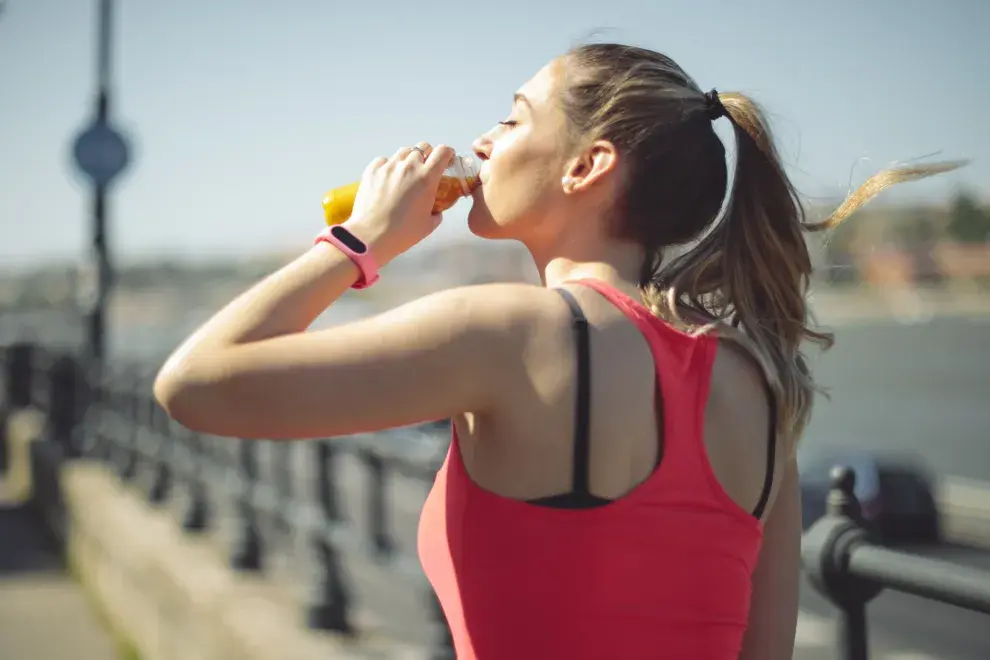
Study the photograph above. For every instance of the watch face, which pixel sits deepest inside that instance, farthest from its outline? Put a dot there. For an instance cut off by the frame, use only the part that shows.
(350, 240)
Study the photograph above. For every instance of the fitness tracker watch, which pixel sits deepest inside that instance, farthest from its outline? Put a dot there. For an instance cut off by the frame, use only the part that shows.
(355, 249)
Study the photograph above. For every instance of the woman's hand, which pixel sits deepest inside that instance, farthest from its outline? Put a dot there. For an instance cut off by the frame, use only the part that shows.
(393, 210)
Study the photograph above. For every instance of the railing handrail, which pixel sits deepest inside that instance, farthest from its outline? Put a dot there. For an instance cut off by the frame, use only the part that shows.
(926, 577)
(843, 562)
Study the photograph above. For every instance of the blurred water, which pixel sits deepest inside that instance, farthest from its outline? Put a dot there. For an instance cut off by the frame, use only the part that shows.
(922, 389)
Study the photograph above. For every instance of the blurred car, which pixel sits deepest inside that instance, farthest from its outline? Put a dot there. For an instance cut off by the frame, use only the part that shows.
(896, 493)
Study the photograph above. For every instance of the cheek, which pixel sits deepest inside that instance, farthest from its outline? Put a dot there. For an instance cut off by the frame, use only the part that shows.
(519, 180)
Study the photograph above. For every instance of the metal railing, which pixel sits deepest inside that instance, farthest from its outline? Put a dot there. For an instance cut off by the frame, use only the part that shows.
(846, 565)
(277, 496)
(111, 416)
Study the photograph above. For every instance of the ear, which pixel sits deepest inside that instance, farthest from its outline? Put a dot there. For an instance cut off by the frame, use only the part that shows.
(594, 164)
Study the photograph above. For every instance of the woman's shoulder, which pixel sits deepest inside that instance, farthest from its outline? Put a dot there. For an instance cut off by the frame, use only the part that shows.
(513, 333)
(498, 305)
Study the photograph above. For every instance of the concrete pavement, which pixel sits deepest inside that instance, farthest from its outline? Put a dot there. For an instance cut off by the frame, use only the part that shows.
(44, 614)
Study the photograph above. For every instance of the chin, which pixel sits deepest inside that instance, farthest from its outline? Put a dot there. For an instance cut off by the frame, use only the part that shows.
(480, 221)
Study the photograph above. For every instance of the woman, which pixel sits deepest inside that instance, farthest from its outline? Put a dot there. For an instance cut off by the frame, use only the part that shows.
(621, 481)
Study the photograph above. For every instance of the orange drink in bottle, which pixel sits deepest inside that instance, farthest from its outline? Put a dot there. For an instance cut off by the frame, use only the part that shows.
(459, 180)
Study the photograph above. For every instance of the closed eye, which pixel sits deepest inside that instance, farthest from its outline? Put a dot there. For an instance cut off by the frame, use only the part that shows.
(508, 122)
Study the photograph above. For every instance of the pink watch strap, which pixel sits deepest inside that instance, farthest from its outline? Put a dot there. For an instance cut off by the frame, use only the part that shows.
(355, 249)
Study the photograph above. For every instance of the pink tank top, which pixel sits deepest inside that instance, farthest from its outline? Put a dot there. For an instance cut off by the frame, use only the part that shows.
(662, 572)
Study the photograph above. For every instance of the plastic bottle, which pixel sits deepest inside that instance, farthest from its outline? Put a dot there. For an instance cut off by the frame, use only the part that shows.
(459, 180)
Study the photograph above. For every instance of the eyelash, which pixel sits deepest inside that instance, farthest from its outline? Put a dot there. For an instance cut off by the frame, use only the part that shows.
(508, 122)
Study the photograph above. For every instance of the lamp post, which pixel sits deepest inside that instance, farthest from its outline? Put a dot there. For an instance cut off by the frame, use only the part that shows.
(101, 153)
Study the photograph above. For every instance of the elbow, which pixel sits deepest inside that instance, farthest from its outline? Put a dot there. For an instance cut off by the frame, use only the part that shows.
(200, 395)
(183, 397)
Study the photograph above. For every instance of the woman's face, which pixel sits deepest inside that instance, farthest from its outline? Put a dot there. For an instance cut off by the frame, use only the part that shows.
(523, 160)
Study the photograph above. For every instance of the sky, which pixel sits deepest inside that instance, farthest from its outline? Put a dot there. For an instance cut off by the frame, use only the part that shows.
(242, 114)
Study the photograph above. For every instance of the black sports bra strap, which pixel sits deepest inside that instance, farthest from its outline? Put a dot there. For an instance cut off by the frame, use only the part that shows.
(582, 412)
(771, 457)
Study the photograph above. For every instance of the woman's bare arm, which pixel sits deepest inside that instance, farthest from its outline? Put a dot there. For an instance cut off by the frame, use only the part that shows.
(254, 371)
(776, 581)
(441, 355)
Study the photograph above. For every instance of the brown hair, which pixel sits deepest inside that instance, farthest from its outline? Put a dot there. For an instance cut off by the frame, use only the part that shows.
(749, 274)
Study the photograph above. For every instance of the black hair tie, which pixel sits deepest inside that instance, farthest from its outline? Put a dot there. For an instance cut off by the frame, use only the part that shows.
(713, 106)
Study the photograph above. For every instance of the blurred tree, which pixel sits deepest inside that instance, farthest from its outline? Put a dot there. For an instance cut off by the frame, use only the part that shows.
(914, 229)
(968, 221)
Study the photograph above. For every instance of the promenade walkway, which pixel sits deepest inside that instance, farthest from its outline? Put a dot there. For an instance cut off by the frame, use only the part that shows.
(44, 614)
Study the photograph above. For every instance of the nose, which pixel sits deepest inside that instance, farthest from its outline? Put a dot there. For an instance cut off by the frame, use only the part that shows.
(482, 147)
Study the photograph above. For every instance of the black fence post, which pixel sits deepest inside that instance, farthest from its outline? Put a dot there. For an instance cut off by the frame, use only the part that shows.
(112, 415)
(246, 553)
(113, 418)
(161, 474)
(66, 403)
(377, 507)
(197, 514)
(330, 602)
(17, 375)
(96, 444)
(282, 482)
(825, 551)
(129, 438)
(50, 450)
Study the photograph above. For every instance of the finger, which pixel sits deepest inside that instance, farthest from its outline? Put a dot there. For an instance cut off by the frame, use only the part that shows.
(439, 160)
(419, 153)
(424, 148)
(374, 165)
(401, 154)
